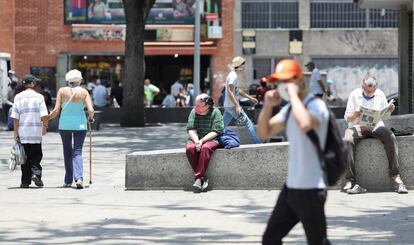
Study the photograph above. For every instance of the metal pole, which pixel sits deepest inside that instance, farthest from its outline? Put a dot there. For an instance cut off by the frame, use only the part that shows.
(196, 71)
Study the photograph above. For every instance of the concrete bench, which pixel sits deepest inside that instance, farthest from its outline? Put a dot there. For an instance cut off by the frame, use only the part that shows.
(247, 167)
(261, 166)
(398, 122)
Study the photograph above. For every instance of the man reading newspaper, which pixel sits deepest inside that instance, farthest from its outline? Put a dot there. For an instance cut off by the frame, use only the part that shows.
(366, 108)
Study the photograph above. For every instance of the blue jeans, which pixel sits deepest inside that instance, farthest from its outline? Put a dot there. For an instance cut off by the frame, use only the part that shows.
(73, 154)
(230, 114)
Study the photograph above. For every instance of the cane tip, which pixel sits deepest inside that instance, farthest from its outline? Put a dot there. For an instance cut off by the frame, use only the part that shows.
(90, 182)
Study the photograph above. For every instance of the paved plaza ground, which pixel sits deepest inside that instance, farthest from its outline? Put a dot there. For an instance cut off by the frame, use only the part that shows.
(104, 213)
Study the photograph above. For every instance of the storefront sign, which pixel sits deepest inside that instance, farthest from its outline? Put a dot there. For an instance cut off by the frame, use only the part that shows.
(249, 42)
(98, 32)
(215, 32)
(211, 16)
(175, 35)
(163, 12)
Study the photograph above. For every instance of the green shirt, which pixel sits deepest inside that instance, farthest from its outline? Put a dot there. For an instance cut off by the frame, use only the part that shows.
(211, 122)
(149, 91)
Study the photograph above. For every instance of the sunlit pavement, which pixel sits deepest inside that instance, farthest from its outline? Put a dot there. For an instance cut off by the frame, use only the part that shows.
(104, 213)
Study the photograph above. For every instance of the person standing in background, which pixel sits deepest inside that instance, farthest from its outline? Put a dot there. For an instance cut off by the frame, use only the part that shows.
(100, 96)
(150, 91)
(117, 92)
(317, 86)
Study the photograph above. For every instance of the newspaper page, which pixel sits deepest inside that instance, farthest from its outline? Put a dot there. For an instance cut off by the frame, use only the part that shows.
(370, 117)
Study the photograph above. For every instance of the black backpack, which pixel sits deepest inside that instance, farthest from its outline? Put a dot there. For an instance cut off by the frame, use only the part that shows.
(335, 154)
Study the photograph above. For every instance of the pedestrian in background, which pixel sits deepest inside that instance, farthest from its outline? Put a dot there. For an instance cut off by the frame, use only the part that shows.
(70, 102)
(316, 84)
(30, 113)
(261, 91)
(232, 108)
(117, 93)
(303, 197)
(150, 91)
(100, 96)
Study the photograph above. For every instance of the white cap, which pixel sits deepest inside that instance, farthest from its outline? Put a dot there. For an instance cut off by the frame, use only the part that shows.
(73, 76)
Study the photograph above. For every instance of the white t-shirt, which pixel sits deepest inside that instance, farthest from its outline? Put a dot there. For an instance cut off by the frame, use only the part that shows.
(356, 100)
(304, 170)
(314, 86)
(232, 78)
(29, 107)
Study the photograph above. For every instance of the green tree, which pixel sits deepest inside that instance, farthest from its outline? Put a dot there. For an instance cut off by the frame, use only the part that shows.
(136, 12)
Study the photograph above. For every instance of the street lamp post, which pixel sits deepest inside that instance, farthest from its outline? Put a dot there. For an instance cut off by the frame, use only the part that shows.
(196, 71)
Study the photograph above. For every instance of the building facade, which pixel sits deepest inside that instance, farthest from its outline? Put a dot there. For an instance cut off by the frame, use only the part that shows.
(342, 39)
(47, 38)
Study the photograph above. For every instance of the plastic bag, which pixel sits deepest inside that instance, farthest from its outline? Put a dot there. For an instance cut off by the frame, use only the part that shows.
(17, 156)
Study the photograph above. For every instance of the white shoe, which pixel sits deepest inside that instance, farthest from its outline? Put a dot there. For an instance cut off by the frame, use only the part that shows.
(347, 186)
(205, 184)
(197, 185)
(79, 184)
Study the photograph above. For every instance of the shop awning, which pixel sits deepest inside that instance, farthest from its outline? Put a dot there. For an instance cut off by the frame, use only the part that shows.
(180, 48)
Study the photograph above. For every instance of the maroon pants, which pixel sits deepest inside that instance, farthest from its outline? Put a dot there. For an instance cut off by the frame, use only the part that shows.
(199, 159)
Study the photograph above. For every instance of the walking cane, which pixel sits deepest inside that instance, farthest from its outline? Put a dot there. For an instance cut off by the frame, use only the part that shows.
(90, 150)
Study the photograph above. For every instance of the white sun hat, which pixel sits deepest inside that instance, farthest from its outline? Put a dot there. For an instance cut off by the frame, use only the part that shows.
(238, 61)
(73, 76)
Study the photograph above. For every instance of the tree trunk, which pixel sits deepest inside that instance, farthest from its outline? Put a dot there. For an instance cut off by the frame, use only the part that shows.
(136, 13)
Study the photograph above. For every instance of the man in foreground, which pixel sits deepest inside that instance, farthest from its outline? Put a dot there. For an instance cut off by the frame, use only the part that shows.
(303, 197)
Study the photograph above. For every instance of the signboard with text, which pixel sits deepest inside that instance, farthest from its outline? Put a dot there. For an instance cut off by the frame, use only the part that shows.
(163, 12)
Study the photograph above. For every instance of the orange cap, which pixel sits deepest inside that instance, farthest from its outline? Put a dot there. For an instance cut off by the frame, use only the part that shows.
(285, 70)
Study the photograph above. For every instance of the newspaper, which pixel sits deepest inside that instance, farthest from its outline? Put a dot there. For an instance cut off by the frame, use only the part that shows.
(370, 117)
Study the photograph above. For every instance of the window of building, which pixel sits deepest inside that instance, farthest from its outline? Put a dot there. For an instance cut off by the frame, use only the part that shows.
(270, 14)
(347, 14)
(263, 67)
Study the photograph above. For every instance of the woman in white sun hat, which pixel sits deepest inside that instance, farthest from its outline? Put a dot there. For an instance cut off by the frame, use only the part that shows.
(70, 102)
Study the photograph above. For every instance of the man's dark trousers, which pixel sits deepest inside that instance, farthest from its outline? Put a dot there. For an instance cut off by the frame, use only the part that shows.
(294, 205)
(32, 166)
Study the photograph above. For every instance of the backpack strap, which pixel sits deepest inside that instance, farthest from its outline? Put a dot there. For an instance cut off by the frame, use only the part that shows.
(290, 107)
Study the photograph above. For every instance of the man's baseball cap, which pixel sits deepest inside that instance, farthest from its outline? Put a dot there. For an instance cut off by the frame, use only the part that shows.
(285, 70)
(29, 79)
(310, 63)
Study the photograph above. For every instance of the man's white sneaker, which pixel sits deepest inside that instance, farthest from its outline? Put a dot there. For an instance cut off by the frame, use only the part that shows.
(356, 190)
(347, 186)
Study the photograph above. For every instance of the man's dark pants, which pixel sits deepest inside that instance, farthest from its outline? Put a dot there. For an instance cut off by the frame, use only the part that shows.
(32, 166)
(353, 136)
(293, 206)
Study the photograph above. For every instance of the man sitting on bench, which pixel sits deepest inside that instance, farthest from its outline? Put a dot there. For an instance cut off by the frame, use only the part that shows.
(371, 97)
